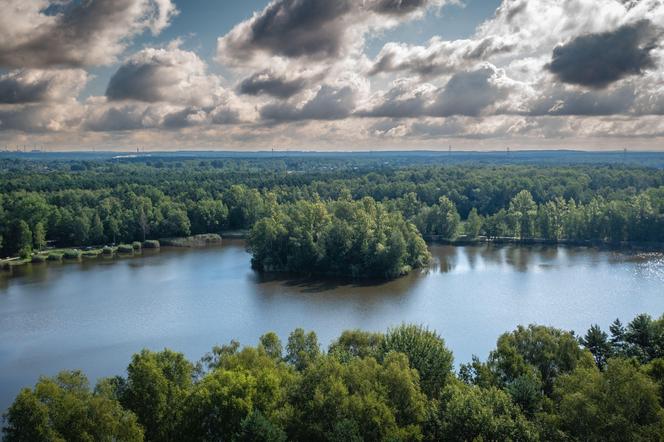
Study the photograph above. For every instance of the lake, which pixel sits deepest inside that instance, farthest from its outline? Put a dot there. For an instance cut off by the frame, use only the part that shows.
(95, 314)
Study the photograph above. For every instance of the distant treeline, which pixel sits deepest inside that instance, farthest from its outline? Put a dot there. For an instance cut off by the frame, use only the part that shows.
(78, 203)
(539, 383)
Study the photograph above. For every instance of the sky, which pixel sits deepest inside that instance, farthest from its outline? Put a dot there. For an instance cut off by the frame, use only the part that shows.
(337, 75)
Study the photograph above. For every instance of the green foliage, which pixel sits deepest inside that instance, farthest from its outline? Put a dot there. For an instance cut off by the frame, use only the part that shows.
(54, 256)
(38, 258)
(271, 345)
(20, 239)
(63, 409)
(473, 225)
(426, 353)
(72, 254)
(39, 236)
(618, 404)
(157, 386)
(537, 352)
(151, 244)
(357, 344)
(522, 212)
(361, 239)
(359, 400)
(302, 349)
(597, 342)
(473, 413)
(441, 219)
(110, 201)
(126, 248)
(257, 428)
(368, 386)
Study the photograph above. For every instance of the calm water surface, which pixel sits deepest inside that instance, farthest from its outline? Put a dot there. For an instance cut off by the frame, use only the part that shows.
(95, 314)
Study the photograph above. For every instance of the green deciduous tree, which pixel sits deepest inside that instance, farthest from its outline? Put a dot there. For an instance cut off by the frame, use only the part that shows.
(618, 404)
(426, 353)
(64, 409)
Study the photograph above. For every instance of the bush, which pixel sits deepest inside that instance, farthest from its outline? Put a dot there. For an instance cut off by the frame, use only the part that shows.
(91, 254)
(136, 245)
(72, 254)
(151, 244)
(125, 249)
(107, 250)
(38, 258)
(54, 256)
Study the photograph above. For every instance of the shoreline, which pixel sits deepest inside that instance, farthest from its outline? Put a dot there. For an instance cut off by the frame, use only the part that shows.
(213, 239)
(634, 246)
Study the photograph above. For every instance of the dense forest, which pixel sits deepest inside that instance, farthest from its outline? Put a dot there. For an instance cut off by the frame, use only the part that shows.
(539, 383)
(342, 237)
(74, 203)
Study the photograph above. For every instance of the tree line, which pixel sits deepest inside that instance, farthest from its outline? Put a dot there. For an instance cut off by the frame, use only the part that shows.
(81, 203)
(539, 383)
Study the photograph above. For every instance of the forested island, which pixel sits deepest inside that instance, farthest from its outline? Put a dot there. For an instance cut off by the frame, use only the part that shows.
(343, 237)
(539, 383)
(357, 216)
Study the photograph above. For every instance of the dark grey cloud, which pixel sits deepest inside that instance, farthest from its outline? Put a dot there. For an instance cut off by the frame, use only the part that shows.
(468, 93)
(135, 81)
(12, 91)
(114, 119)
(317, 29)
(268, 83)
(75, 33)
(39, 118)
(398, 7)
(36, 86)
(294, 28)
(329, 103)
(597, 60)
(561, 101)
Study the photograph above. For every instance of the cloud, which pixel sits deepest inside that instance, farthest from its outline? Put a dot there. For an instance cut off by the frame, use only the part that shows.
(267, 82)
(437, 57)
(561, 100)
(466, 93)
(329, 103)
(41, 118)
(315, 29)
(165, 74)
(42, 33)
(35, 85)
(597, 60)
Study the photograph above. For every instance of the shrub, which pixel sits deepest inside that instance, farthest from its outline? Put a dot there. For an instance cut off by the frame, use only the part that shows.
(72, 254)
(136, 245)
(125, 249)
(107, 250)
(151, 244)
(38, 258)
(54, 256)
